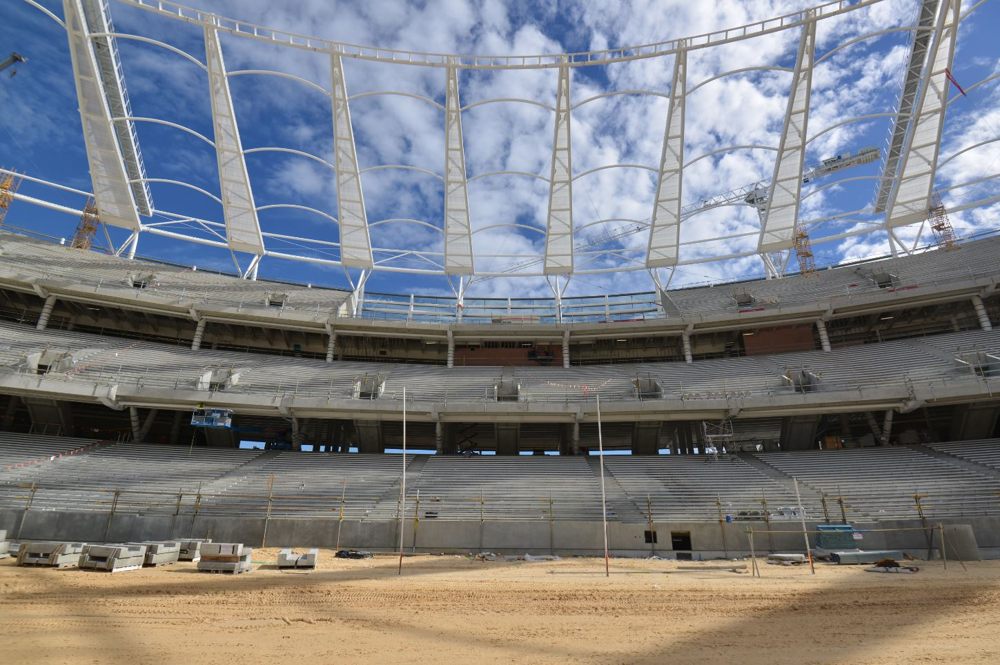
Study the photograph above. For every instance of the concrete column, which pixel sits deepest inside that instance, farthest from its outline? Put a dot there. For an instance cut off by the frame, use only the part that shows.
(199, 332)
(8, 414)
(331, 346)
(175, 428)
(50, 303)
(565, 349)
(977, 303)
(147, 425)
(133, 416)
(439, 437)
(686, 341)
(824, 339)
(575, 441)
(451, 349)
(886, 428)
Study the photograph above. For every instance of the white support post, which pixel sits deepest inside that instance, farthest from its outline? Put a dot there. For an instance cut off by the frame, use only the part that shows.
(910, 200)
(824, 338)
(886, 428)
(664, 232)
(686, 343)
(439, 436)
(112, 190)
(781, 216)
(604, 496)
(43, 318)
(559, 235)
(355, 243)
(238, 208)
(133, 416)
(199, 332)
(451, 349)
(457, 227)
(402, 489)
(984, 318)
(565, 349)
(331, 346)
(133, 245)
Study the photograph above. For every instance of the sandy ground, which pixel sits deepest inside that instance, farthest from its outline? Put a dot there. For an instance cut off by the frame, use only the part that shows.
(451, 609)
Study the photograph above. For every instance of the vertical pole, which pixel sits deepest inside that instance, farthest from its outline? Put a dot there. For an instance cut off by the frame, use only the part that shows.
(402, 489)
(340, 519)
(722, 525)
(267, 515)
(826, 513)
(604, 502)
(649, 522)
(843, 510)
(552, 546)
(805, 534)
(944, 553)
(111, 515)
(416, 522)
(767, 521)
(928, 532)
(482, 517)
(754, 570)
(27, 507)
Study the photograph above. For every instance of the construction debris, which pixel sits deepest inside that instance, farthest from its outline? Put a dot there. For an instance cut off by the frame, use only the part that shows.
(353, 554)
(891, 566)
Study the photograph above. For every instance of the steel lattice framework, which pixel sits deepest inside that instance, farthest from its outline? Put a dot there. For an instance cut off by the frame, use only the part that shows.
(903, 190)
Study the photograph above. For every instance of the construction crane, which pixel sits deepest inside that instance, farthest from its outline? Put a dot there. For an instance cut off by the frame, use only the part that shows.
(11, 60)
(755, 195)
(87, 228)
(9, 182)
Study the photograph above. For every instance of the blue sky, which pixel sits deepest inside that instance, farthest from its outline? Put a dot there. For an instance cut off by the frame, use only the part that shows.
(41, 130)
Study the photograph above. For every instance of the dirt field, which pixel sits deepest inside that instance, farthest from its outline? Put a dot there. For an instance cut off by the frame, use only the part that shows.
(456, 610)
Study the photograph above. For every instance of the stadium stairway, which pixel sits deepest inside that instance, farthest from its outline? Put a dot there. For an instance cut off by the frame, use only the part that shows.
(387, 505)
(237, 474)
(809, 495)
(955, 460)
(620, 505)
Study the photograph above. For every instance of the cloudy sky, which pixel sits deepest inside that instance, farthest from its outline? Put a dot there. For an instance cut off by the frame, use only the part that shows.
(41, 129)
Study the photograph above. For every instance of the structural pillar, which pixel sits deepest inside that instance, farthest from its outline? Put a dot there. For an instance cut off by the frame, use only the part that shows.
(331, 346)
(50, 303)
(175, 428)
(686, 342)
(575, 441)
(824, 338)
(565, 349)
(977, 303)
(451, 349)
(199, 332)
(886, 428)
(133, 416)
(439, 437)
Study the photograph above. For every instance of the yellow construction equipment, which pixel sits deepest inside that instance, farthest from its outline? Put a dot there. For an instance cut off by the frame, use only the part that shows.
(87, 228)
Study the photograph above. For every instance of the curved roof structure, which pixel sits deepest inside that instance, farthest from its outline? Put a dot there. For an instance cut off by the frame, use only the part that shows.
(467, 168)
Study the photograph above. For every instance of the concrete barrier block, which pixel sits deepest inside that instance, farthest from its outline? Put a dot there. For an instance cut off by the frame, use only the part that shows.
(226, 558)
(112, 558)
(52, 554)
(289, 559)
(161, 553)
(190, 548)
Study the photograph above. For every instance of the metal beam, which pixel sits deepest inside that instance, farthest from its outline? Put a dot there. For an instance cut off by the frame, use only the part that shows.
(355, 243)
(910, 200)
(908, 95)
(112, 191)
(457, 227)
(778, 225)
(664, 233)
(559, 236)
(239, 211)
(97, 13)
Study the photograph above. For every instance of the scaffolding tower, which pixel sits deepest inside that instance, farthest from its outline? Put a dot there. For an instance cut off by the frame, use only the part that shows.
(87, 228)
(804, 253)
(940, 224)
(9, 182)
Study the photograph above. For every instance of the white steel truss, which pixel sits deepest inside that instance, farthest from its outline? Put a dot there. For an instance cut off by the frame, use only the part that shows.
(457, 228)
(908, 95)
(559, 227)
(781, 216)
(355, 243)
(98, 16)
(910, 201)
(238, 208)
(112, 190)
(664, 233)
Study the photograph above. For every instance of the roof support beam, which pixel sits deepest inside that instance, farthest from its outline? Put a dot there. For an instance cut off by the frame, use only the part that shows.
(355, 243)
(559, 237)
(457, 227)
(778, 225)
(98, 17)
(664, 233)
(910, 201)
(911, 85)
(238, 208)
(112, 191)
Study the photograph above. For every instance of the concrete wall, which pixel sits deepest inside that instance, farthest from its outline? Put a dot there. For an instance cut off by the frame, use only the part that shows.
(708, 539)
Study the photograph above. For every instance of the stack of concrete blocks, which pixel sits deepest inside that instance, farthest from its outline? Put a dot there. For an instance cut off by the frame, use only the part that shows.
(56, 555)
(225, 558)
(4, 545)
(161, 553)
(190, 548)
(289, 559)
(113, 558)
